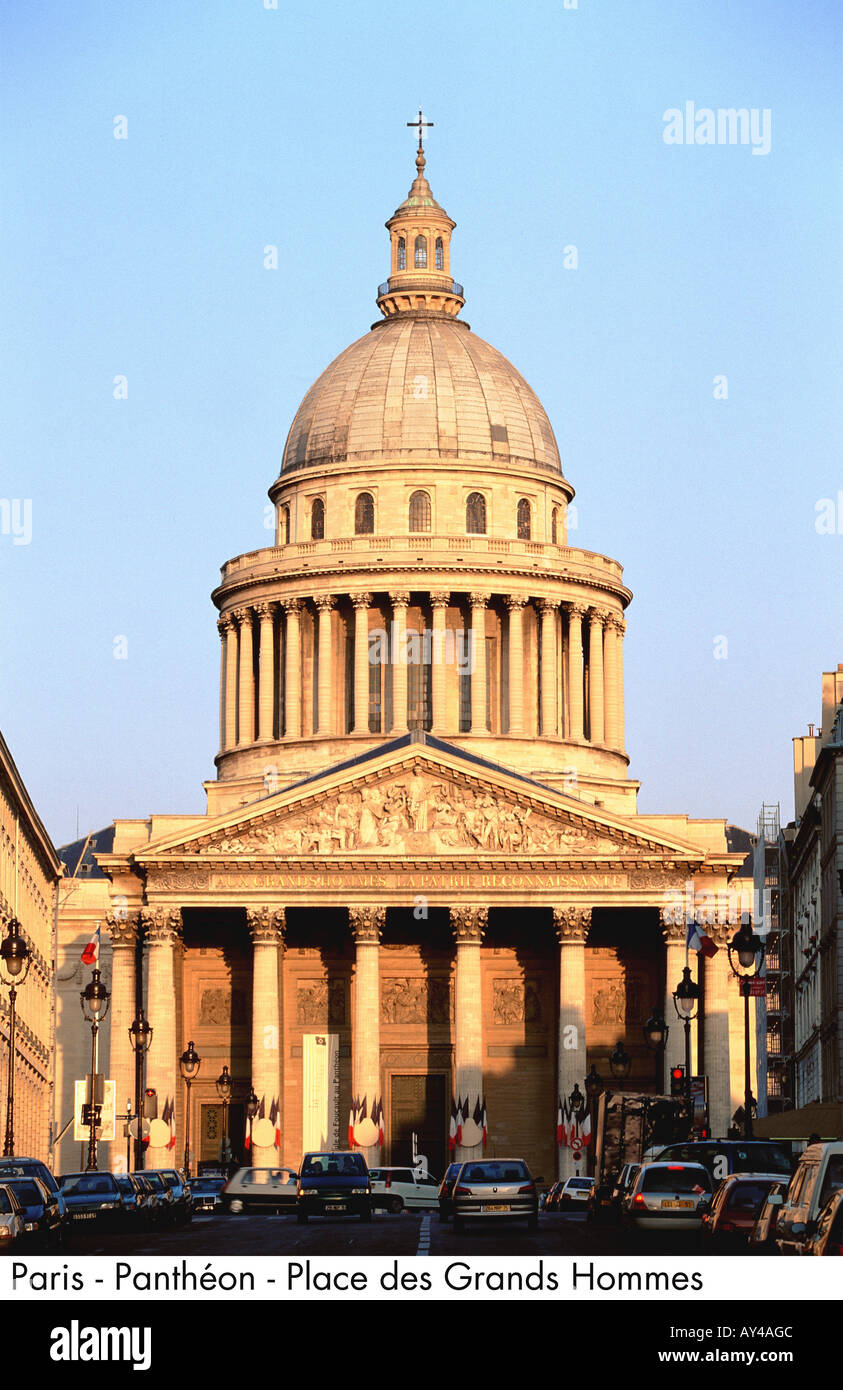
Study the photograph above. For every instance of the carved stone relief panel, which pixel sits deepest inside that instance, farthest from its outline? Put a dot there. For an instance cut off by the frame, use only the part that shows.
(223, 1008)
(320, 1002)
(415, 999)
(516, 1001)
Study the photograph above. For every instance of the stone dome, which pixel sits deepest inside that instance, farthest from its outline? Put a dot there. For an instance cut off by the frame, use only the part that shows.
(421, 386)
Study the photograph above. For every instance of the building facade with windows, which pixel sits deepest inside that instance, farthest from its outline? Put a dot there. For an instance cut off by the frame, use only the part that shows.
(422, 844)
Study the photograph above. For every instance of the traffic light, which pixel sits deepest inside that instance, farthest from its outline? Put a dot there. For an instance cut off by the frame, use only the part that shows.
(677, 1082)
(150, 1103)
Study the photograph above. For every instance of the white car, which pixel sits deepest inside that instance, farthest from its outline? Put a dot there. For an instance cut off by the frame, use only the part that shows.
(667, 1197)
(393, 1189)
(574, 1193)
(11, 1219)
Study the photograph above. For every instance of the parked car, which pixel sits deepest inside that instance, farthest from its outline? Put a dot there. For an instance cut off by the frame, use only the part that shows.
(574, 1193)
(137, 1213)
(667, 1197)
(182, 1197)
(155, 1201)
(552, 1198)
(23, 1167)
(260, 1189)
(43, 1218)
(393, 1189)
(207, 1192)
(828, 1237)
(724, 1156)
(498, 1189)
(730, 1221)
(818, 1176)
(332, 1184)
(11, 1219)
(446, 1191)
(165, 1206)
(93, 1199)
(762, 1238)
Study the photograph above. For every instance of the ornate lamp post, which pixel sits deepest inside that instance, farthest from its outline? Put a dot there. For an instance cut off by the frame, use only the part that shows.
(746, 957)
(95, 1000)
(189, 1062)
(16, 958)
(593, 1089)
(620, 1062)
(224, 1093)
(686, 1001)
(140, 1036)
(252, 1103)
(655, 1032)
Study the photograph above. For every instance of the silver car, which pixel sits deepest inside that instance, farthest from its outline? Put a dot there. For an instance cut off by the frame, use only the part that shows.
(495, 1189)
(668, 1197)
(11, 1219)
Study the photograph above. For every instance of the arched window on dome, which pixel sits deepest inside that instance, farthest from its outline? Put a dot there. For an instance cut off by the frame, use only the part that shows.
(420, 512)
(364, 515)
(554, 526)
(317, 520)
(421, 253)
(284, 528)
(440, 254)
(402, 254)
(475, 514)
(523, 520)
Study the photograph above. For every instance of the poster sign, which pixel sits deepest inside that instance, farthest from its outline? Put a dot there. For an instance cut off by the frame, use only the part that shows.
(321, 1097)
(105, 1129)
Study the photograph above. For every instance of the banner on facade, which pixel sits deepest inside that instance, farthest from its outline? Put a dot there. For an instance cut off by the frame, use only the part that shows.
(321, 1097)
(104, 1128)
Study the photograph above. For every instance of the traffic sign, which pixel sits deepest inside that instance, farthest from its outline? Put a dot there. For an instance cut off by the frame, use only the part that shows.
(576, 1146)
(133, 1128)
(757, 988)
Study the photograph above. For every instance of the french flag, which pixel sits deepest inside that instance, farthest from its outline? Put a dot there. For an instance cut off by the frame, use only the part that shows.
(275, 1119)
(452, 1126)
(484, 1124)
(91, 953)
(698, 941)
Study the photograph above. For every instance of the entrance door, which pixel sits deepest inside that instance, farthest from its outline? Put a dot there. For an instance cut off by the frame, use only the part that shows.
(418, 1107)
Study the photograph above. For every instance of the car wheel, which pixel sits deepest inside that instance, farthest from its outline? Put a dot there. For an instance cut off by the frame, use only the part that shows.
(395, 1205)
(301, 1218)
(236, 1206)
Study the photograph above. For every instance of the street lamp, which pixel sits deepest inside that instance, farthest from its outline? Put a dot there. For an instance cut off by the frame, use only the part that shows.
(655, 1032)
(620, 1062)
(95, 1000)
(189, 1062)
(140, 1036)
(593, 1089)
(16, 958)
(251, 1111)
(686, 1001)
(224, 1093)
(746, 957)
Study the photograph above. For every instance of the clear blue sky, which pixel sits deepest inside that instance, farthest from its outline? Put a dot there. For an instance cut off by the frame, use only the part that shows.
(249, 126)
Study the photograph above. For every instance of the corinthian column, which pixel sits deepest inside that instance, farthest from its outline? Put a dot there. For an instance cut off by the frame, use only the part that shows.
(228, 631)
(163, 941)
(439, 603)
(576, 613)
(571, 925)
(123, 930)
(596, 723)
(292, 671)
(326, 723)
(266, 683)
(621, 629)
(362, 604)
(516, 607)
(674, 933)
(468, 925)
(246, 713)
(266, 926)
(398, 648)
(718, 982)
(366, 924)
(611, 641)
(478, 655)
(549, 706)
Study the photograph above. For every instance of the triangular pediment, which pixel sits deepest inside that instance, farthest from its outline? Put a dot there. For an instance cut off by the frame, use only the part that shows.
(419, 800)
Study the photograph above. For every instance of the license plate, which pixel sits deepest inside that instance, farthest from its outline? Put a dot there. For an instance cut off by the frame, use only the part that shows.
(677, 1204)
(336, 1206)
(84, 1216)
(495, 1206)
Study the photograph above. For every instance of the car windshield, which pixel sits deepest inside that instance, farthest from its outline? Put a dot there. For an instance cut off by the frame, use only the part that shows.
(833, 1177)
(5, 1204)
(27, 1192)
(334, 1165)
(748, 1196)
(87, 1184)
(28, 1170)
(580, 1182)
(676, 1179)
(495, 1172)
(207, 1184)
(124, 1182)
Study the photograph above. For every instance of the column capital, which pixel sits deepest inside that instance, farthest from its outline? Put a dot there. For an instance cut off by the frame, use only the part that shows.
(325, 602)
(361, 600)
(720, 932)
(440, 598)
(515, 602)
(577, 610)
(468, 924)
(672, 918)
(163, 925)
(478, 600)
(291, 605)
(366, 924)
(548, 606)
(122, 928)
(265, 609)
(571, 924)
(266, 925)
(616, 624)
(225, 624)
(400, 599)
(242, 615)
(598, 615)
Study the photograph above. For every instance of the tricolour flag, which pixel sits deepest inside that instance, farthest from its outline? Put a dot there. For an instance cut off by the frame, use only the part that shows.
(275, 1120)
(698, 941)
(559, 1120)
(378, 1118)
(483, 1121)
(168, 1115)
(460, 1117)
(91, 953)
(585, 1130)
(351, 1116)
(452, 1126)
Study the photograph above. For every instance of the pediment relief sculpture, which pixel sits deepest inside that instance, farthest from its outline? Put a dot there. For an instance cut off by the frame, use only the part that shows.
(415, 814)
